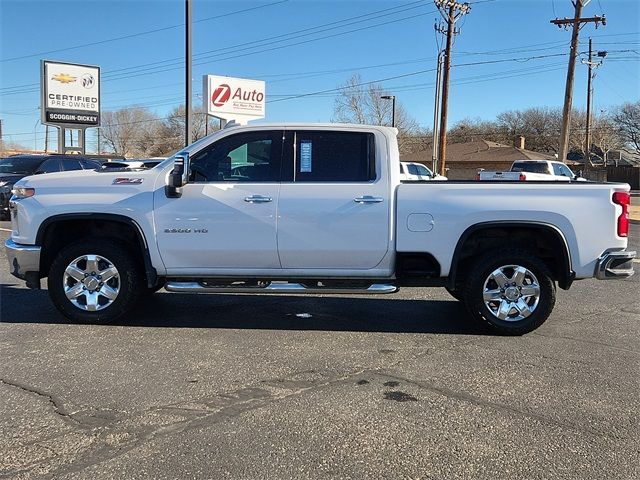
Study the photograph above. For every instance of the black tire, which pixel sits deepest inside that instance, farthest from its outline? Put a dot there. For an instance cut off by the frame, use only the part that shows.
(457, 294)
(128, 281)
(513, 324)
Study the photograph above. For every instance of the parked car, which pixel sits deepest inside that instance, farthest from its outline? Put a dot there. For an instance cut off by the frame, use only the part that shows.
(527, 170)
(325, 212)
(132, 164)
(417, 171)
(16, 167)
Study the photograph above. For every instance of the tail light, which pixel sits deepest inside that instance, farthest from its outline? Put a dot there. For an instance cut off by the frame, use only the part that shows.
(623, 199)
(523, 177)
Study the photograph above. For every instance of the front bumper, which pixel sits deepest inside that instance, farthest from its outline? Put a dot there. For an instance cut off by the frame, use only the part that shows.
(613, 265)
(23, 259)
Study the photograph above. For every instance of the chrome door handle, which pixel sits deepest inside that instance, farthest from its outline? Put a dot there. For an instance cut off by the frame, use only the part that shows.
(367, 199)
(257, 199)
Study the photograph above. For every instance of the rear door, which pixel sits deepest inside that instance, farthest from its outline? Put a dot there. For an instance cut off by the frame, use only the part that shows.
(334, 209)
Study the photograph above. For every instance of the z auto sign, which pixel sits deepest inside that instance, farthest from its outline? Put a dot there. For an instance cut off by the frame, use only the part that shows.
(237, 99)
(70, 94)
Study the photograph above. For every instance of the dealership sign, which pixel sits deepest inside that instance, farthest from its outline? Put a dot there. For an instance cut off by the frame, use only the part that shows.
(236, 99)
(70, 94)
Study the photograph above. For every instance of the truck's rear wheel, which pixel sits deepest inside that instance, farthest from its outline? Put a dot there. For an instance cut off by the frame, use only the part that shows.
(511, 290)
(94, 281)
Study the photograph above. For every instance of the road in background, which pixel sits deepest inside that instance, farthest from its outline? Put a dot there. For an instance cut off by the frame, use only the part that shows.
(246, 387)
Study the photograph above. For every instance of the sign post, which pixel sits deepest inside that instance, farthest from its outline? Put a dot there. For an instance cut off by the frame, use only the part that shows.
(70, 100)
(237, 99)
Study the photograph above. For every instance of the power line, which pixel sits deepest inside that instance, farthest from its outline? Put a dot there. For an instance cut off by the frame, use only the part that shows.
(148, 32)
(261, 41)
(287, 36)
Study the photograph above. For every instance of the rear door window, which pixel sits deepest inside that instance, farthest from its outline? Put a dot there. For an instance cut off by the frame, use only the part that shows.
(329, 156)
(71, 164)
(49, 166)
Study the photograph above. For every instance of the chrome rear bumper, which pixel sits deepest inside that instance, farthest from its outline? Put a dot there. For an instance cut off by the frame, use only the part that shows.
(23, 259)
(613, 265)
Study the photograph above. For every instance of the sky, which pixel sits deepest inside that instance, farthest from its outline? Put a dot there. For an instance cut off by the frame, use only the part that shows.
(507, 55)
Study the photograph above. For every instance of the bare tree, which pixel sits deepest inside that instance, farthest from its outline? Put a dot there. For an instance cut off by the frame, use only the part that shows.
(169, 133)
(123, 131)
(627, 120)
(361, 102)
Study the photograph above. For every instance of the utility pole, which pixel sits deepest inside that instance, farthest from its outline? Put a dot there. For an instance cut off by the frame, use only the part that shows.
(450, 11)
(577, 22)
(436, 114)
(188, 106)
(590, 64)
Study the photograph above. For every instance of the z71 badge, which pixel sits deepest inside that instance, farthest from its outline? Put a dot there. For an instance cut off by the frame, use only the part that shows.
(126, 181)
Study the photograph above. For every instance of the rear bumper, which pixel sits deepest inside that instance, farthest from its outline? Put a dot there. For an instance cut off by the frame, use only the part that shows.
(23, 259)
(613, 265)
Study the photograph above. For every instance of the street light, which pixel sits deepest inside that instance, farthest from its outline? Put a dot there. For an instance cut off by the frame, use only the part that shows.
(393, 107)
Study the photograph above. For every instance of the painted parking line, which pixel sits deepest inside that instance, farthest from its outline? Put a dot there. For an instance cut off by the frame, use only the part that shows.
(6, 230)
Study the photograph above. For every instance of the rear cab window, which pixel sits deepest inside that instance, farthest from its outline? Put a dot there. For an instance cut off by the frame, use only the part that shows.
(531, 167)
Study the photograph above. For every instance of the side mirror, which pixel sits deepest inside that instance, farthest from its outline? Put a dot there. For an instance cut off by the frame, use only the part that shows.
(178, 177)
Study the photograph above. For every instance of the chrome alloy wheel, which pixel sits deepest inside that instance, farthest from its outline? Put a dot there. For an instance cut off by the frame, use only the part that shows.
(91, 282)
(511, 293)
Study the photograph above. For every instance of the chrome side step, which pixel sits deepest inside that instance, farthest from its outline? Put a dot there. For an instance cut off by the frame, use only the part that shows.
(278, 287)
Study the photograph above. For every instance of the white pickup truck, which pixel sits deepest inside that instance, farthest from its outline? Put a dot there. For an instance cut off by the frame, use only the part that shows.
(527, 170)
(299, 208)
(419, 172)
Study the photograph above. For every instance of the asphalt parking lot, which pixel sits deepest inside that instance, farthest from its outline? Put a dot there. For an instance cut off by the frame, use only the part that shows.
(255, 387)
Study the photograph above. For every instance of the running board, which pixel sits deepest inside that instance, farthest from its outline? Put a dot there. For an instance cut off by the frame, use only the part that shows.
(274, 287)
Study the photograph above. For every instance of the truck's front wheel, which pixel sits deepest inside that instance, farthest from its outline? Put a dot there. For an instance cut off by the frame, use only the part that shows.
(94, 281)
(511, 290)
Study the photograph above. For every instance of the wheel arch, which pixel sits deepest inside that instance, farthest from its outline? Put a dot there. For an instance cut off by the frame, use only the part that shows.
(90, 222)
(484, 236)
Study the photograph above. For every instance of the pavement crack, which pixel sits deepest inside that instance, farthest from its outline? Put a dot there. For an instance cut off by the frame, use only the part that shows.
(55, 401)
(500, 407)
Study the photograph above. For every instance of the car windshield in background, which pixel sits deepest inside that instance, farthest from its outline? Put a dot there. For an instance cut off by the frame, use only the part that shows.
(20, 165)
(531, 167)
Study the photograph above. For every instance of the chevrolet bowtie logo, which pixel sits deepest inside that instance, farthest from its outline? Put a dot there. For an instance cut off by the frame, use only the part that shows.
(64, 78)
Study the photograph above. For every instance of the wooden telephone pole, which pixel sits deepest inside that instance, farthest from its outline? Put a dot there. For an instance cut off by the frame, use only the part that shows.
(451, 11)
(577, 22)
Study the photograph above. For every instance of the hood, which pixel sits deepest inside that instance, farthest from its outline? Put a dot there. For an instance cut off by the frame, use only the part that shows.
(85, 181)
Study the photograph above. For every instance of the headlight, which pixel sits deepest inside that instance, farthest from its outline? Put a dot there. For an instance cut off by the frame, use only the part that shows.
(2, 184)
(23, 192)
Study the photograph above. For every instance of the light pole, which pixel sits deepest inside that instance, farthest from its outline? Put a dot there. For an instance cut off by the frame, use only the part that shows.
(188, 108)
(393, 107)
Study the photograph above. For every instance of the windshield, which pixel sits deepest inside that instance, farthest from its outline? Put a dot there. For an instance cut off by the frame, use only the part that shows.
(20, 165)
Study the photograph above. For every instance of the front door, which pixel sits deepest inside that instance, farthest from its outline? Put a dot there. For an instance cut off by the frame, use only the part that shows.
(225, 220)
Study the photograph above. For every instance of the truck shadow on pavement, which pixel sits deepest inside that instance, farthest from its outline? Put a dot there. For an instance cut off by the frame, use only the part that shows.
(388, 314)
